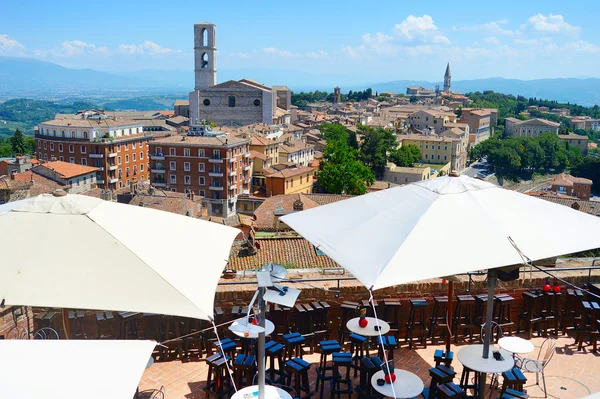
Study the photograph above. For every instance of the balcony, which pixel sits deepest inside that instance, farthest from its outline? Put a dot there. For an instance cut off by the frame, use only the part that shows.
(215, 174)
(249, 167)
(216, 188)
(158, 157)
(216, 200)
(95, 155)
(247, 155)
(158, 170)
(248, 180)
(233, 173)
(112, 154)
(216, 160)
(99, 181)
(159, 183)
(100, 168)
(113, 167)
(113, 180)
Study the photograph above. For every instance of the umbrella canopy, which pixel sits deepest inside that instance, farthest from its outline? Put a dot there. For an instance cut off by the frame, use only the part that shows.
(439, 227)
(76, 369)
(75, 251)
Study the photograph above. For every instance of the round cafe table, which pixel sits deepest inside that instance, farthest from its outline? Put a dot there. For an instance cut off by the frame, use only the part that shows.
(369, 330)
(407, 385)
(471, 356)
(271, 392)
(269, 328)
(516, 345)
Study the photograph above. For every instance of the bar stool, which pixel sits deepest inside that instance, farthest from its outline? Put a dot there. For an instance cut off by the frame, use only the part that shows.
(104, 323)
(514, 394)
(502, 312)
(437, 320)
(368, 367)
(195, 342)
(443, 357)
(588, 325)
(480, 309)
(450, 391)
(274, 351)
(349, 311)
(439, 375)
(77, 317)
(571, 312)
(279, 315)
(293, 345)
(513, 379)
(391, 314)
(298, 370)
(227, 346)
(320, 323)
(325, 372)
(387, 343)
(463, 319)
(548, 311)
(217, 381)
(416, 324)
(529, 314)
(128, 328)
(342, 364)
(244, 369)
(467, 376)
(357, 349)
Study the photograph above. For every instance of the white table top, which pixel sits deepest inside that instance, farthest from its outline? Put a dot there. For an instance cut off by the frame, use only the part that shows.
(269, 328)
(369, 330)
(271, 392)
(407, 385)
(516, 345)
(471, 356)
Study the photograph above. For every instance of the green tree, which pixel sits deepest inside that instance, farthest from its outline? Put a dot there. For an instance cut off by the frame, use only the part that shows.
(376, 145)
(341, 172)
(17, 143)
(588, 167)
(352, 140)
(406, 155)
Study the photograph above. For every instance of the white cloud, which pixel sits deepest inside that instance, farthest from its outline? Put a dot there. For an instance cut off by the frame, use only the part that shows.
(10, 46)
(276, 51)
(493, 28)
(492, 40)
(552, 24)
(147, 47)
(420, 29)
(72, 49)
(239, 55)
(581, 46)
(316, 54)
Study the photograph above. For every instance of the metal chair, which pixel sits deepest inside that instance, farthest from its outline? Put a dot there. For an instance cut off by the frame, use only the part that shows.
(538, 365)
(46, 333)
(497, 332)
(17, 332)
(151, 393)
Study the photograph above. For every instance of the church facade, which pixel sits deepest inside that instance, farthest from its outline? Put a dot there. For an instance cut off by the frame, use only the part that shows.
(235, 103)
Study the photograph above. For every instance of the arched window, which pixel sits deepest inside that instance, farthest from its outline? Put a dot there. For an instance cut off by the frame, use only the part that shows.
(204, 60)
(85, 135)
(54, 132)
(204, 35)
(73, 134)
(63, 133)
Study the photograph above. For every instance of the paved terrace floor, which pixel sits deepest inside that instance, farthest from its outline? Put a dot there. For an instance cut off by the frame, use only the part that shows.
(571, 374)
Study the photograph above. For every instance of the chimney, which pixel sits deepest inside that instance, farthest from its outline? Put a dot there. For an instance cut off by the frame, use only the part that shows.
(298, 204)
(12, 175)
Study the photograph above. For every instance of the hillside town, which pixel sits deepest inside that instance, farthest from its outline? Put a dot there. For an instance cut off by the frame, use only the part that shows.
(253, 160)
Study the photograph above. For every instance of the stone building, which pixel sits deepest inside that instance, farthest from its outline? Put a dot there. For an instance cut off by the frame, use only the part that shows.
(405, 175)
(117, 147)
(233, 102)
(431, 120)
(76, 178)
(447, 80)
(210, 163)
(437, 149)
(529, 128)
(481, 123)
(575, 140)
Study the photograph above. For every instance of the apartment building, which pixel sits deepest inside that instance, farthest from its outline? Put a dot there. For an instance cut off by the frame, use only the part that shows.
(431, 120)
(295, 151)
(117, 147)
(481, 123)
(529, 127)
(288, 178)
(579, 187)
(575, 140)
(437, 149)
(206, 162)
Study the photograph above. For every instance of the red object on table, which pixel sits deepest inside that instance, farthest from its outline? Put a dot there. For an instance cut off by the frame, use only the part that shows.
(390, 378)
(547, 287)
(556, 288)
(363, 323)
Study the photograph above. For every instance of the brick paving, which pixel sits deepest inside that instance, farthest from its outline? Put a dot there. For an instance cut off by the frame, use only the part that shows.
(571, 374)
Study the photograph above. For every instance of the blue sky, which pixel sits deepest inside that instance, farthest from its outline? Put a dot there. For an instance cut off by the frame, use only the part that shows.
(353, 41)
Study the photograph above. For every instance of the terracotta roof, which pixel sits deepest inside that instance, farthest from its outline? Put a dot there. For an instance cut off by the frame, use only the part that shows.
(41, 184)
(324, 199)
(564, 179)
(168, 202)
(258, 140)
(259, 155)
(287, 170)
(201, 140)
(265, 219)
(423, 137)
(91, 123)
(591, 207)
(68, 170)
(290, 252)
(293, 146)
(572, 136)
(182, 102)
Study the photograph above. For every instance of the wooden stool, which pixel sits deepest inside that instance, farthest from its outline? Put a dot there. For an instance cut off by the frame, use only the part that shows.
(439, 375)
(357, 349)
(342, 364)
(443, 357)
(513, 379)
(217, 382)
(465, 378)
(349, 311)
(293, 345)
(104, 322)
(416, 324)
(588, 325)
(529, 315)
(437, 321)
(513, 394)
(368, 367)
(450, 391)
(463, 317)
(387, 343)
(227, 346)
(391, 314)
(502, 312)
(327, 348)
(274, 351)
(297, 369)
(244, 369)
(571, 312)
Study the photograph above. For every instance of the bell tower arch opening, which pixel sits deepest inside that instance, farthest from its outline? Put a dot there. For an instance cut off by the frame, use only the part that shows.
(205, 50)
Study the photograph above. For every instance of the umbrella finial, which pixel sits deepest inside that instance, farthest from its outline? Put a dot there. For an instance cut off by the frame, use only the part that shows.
(453, 173)
(59, 193)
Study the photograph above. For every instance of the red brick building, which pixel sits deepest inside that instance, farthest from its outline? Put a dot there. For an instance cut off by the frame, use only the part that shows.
(579, 187)
(117, 147)
(211, 164)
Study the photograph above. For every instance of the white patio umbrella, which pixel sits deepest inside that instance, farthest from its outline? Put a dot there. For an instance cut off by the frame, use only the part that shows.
(74, 251)
(90, 369)
(440, 227)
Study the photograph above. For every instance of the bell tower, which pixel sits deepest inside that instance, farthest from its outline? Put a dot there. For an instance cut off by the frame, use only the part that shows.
(447, 79)
(205, 51)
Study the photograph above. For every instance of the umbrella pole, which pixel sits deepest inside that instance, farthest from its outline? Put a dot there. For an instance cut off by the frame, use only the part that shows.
(492, 280)
(261, 343)
(66, 323)
(449, 313)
